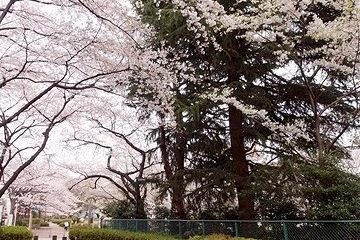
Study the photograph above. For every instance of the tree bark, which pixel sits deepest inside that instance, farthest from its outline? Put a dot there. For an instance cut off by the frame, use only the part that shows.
(176, 180)
(238, 151)
(140, 207)
(241, 167)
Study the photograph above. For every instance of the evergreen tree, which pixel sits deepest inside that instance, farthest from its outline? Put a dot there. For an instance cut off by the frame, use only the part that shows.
(289, 87)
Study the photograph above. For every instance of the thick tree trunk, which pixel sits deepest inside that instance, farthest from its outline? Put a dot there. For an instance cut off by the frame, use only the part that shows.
(139, 204)
(140, 209)
(177, 204)
(176, 180)
(178, 177)
(238, 152)
(164, 153)
(241, 167)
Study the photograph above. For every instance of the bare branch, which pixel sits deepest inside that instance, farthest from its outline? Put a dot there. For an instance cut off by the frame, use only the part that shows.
(107, 178)
(109, 21)
(6, 10)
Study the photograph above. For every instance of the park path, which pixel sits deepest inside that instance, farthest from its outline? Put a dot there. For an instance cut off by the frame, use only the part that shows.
(46, 233)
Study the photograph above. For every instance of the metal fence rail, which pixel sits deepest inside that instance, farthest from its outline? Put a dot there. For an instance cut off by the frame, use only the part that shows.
(262, 230)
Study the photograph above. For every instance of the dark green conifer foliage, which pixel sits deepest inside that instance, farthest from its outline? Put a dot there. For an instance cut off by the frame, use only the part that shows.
(249, 69)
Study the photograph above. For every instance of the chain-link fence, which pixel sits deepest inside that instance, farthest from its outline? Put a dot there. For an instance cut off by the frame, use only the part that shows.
(267, 230)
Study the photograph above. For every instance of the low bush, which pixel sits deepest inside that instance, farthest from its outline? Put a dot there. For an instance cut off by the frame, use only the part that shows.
(25, 221)
(61, 222)
(36, 222)
(79, 233)
(44, 224)
(15, 233)
(22, 222)
(219, 237)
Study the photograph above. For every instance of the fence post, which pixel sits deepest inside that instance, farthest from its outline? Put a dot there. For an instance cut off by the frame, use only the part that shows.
(236, 229)
(203, 228)
(136, 224)
(286, 235)
(179, 228)
(162, 225)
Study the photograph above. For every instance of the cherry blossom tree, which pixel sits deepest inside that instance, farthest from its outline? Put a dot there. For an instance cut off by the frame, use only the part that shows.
(278, 79)
(54, 54)
(43, 188)
(123, 156)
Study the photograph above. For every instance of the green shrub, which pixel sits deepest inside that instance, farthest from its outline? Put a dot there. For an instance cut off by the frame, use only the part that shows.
(36, 222)
(44, 224)
(83, 233)
(15, 233)
(22, 222)
(79, 233)
(61, 222)
(39, 222)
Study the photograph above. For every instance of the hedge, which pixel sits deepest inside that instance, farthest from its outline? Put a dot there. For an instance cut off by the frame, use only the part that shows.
(219, 237)
(44, 224)
(61, 222)
(15, 233)
(109, 234)
(79, 233)
(36, 222)
(22, 222)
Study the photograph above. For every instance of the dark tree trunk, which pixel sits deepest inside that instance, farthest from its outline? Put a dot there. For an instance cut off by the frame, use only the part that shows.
(175, 179)
(140, 210)
(164, 153)
(178, 177)
(139, 204)
(238, 151)
(241, 167)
